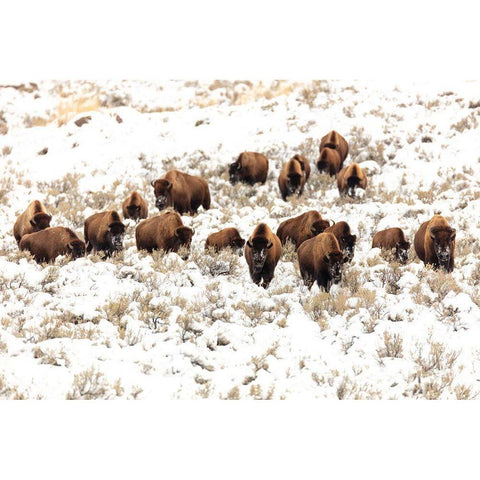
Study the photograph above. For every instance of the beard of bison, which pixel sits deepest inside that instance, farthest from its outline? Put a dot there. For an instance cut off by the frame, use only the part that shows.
(442, 242)
(163, 189)
(401, 252)
(234, 172)
(349, 246)
(115, 235)
(335, 263)
(259, 248)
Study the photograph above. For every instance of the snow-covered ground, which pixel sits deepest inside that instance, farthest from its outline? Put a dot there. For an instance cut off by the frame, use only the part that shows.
(155, 326)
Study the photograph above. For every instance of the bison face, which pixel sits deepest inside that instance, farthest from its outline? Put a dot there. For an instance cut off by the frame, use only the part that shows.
(163, 190)
(76, 249)
(260, 247)
(319, 226)
(134, 211)
(401, 251)
(335, 261)
(293, 183)
(183, 238)
(116, 232)
(40, 221)
(443, 238)
(348, 246)
(237, 245)
(234, 172)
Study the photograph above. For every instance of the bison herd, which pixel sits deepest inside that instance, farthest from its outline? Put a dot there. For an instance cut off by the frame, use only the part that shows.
(322, 246)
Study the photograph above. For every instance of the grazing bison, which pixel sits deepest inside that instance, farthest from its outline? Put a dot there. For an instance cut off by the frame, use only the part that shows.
(250, 167)
(349, 178)
(321, 260)
(135, 207)
(228, 237)
(345, 239)
(164, 232)
(104, 232)
(329, 161)
(335, 141)
(33, 219)
(301, 228)
(293, 176)
(262, 253)
(435, 243)
(185, 193)
(392, 239)
(46, 245)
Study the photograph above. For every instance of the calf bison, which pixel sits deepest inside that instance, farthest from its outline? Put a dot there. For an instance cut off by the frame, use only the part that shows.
(329, 161)
(250, 167)
(301, 228)
(164, 232)
(33, 219)
(184, 192)
(262, 253)
(104, 232)
(435, 243)
(321, 260)
(345, 239)
(46, 245)
(293, 176)
(349, 178)
(135, 207)
(335, 141)
(392, 239)
(228, 237)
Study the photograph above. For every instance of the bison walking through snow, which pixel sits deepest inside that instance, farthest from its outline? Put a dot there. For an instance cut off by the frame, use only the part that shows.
(293, 176)
(250, 167)
(135, 207)
(104, 231)
(349, 178)
(392, 239)
(33, 219)
(228, 237)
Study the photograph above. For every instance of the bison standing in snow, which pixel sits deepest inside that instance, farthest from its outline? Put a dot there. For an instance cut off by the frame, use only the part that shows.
(104, 232)
(250, 167)
(228, 237)
(33, 219)
(349, 178)
(135, 207)
(392, 239)
(335, 141)
(293, 176)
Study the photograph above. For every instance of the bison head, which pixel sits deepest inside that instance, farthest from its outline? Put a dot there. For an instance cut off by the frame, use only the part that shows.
(401, 251)
(76, 249)
(293, 183)
(40, 221)
(347, 242)
(259, 247)
(163, 190)
(319, 226)
(183, 238)
(115, 234)
(443, 238)
(237, 245)
(335, 261)
(134, 211)
(234, 172)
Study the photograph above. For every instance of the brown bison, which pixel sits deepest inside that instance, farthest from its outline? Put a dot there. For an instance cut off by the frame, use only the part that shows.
(33, 219)
(135, 207)
(321, 260)
(392, 239)
(349, 178)
(335, 141)
(262, 253)
(184, 192)
(164, 232)
(104, 232)
(48, 244)
(301, 228)
(228, 237)
(435, 243)
(293, 176)
(329, 161)
(250, 167)
(345, 239)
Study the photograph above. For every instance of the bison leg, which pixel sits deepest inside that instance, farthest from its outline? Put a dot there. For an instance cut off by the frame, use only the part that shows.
(256, 277)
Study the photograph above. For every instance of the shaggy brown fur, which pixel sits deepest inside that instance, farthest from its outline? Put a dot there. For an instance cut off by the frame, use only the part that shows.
(184, 192)
(293, 176)
(392, 239)
(33, 219)
(228, 237)
(301, 228)
(262, 253)
(104, 232)
(329, 161)
(349, 178)
(135, 207)
(321, 260)
(435, 243)
(164, 232)
(46, 245)
(250, 167)
(335, 141)
(345, 239)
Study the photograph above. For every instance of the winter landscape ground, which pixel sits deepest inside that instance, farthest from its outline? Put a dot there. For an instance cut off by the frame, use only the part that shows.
(152, 326)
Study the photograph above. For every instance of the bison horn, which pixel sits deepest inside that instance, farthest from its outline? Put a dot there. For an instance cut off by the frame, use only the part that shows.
(249, 245)
(333, 222)
(152, 183)
(270, 245)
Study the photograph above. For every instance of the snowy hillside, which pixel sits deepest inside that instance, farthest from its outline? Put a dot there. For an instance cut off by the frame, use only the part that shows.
(154, 326)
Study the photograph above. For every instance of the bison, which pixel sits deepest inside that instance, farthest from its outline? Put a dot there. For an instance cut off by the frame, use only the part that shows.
(392, 239)
(104, 232)
(184, 192)
(135, 207)
(321, 260)
(435, 243)
(301, 228)
(335, 141)
(345, 239)
(329, 161)
(349, 178)
(262, 253)
(33, 219)
(46, 245)
(164, 232)
(250, 167)
(228, 237)
(293, 176)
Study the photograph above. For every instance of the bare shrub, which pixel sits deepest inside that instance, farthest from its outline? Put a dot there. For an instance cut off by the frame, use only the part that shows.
(91, 384)
(392, 346)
